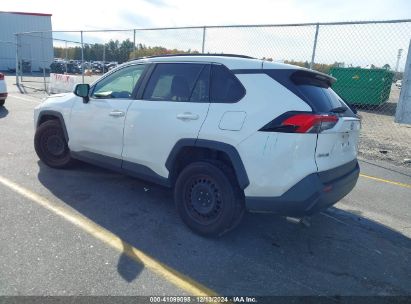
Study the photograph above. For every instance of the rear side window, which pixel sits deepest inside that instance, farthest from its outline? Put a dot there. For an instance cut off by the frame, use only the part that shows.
(225, 87)
(172, 81)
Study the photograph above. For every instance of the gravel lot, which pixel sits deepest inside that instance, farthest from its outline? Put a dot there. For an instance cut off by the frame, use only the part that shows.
(381, 137)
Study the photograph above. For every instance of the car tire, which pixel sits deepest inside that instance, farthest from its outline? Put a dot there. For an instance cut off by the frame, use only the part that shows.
(208, 199)
(51, 145)
(2, 102)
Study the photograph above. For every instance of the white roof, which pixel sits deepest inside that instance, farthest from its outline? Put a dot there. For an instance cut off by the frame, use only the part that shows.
(233, 63)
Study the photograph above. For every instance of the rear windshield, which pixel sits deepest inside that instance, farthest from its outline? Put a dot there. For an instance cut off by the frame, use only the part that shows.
(311, 87)
(324, 99)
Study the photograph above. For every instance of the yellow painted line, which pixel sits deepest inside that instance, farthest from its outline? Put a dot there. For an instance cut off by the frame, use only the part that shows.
(173, 276)
(387, 181)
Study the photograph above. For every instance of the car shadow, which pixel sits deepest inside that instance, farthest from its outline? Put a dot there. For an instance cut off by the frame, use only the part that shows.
(342, 253)
(3, 111)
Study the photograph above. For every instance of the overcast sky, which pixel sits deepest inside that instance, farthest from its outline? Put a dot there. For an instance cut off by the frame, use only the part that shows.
(87, 14)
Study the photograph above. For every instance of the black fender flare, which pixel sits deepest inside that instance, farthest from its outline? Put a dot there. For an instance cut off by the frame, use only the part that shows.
(59, 116)
(228, 149)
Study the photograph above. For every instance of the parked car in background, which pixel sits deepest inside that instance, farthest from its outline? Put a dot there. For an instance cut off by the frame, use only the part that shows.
(3, 90)
(229, 133)
(111, 65)
(61, 67)
(398, 83)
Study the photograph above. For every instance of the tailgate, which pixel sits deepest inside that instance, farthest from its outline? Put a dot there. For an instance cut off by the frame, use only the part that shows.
(339, 145)
(336, 124)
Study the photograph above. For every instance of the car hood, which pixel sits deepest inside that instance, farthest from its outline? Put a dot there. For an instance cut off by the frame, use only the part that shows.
(58, 102)
(59, 95)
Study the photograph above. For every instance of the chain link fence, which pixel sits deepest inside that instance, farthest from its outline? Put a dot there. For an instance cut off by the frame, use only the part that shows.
(367, 58)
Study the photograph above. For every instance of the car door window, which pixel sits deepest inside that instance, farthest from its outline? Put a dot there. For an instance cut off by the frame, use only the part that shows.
(201, 91)
(173, 81)
(119, 84)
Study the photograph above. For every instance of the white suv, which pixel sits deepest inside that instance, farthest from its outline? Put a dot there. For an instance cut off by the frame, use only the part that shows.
(230, 133)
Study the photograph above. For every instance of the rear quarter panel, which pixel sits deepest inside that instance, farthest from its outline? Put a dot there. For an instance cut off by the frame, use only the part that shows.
(265, 99)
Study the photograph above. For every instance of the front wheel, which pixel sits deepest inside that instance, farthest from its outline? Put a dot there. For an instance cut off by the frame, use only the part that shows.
(2, 102)
(208, 198)
(51, 145)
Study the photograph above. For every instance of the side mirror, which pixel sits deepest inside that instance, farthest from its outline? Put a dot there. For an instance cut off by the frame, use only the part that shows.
(82, 90)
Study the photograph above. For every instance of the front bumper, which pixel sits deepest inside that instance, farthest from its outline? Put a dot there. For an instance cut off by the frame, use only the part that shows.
(312, 194)
(3, 96)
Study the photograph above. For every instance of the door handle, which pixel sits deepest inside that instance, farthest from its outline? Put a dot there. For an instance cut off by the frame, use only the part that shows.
(187, 116)
(116, 113)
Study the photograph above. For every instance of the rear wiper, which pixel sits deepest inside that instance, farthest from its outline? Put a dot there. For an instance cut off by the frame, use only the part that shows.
(339, 109)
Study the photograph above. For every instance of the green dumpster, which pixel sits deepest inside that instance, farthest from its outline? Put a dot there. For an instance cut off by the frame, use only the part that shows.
(362, 86)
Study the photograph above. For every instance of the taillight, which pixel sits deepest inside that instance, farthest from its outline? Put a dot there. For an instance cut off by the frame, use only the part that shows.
(1, 76)
(297, 122)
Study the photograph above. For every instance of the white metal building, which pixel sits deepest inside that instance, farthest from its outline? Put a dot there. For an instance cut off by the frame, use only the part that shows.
(36, 50)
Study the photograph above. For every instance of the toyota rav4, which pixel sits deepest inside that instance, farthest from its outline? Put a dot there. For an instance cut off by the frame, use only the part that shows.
(229, 133)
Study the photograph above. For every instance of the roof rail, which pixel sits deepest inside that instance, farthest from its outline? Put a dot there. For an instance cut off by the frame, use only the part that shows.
(193, 54)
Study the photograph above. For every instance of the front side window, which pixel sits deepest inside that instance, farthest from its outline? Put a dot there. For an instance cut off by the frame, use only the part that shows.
(173, 82)
(119, 84)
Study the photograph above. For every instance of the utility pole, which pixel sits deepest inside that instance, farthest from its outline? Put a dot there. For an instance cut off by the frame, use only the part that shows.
(317, 27)
(203, 44)
(65, 61)
(104, 57)
(398, 62)
(82, 57)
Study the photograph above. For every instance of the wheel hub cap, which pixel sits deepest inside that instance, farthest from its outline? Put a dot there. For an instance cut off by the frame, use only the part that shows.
(55, 145)
(203, 199)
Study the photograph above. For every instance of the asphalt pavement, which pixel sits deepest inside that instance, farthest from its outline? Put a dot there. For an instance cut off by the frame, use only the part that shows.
(89, 231)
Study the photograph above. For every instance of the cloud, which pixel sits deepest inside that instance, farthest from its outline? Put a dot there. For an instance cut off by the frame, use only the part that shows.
(135, 20)
(85, 15)
(161, 3)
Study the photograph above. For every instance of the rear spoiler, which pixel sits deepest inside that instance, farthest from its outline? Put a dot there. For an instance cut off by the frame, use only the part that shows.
(304, 76)
(293, 74)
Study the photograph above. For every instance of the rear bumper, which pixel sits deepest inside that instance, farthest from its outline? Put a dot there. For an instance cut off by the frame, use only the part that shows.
(312, 194)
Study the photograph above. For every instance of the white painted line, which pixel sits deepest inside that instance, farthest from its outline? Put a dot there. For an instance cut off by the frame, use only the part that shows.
(25, 98)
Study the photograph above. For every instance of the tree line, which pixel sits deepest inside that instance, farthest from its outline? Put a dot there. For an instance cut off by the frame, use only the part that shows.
(114, 50)
(325, 68)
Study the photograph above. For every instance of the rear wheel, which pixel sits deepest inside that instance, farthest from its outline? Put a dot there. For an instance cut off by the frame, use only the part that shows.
(51, 145)
(2, 102)
(208, 198)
